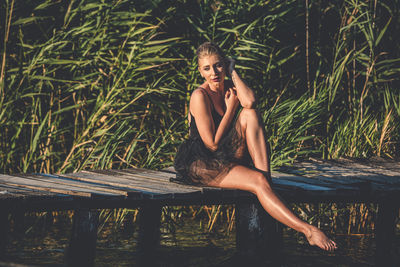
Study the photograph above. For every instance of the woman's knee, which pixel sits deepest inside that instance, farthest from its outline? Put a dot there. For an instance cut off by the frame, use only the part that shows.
(248, 115)
(260, 182)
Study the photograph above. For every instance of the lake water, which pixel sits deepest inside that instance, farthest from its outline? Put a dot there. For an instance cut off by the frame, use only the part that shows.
(187, 244)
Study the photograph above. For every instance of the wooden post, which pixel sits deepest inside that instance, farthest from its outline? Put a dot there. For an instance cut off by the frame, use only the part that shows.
(82, 247)
(4, 228)
(149, 232)
(385, 233)
(258, 235)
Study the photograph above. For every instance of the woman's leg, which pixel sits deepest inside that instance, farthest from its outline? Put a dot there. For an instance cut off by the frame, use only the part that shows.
(250, 126)
(240, 177)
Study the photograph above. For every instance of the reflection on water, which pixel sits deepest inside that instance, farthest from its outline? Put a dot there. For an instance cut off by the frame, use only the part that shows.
(188, 244)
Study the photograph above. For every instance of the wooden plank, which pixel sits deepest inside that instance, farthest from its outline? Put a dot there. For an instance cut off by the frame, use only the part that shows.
(121, 180)
(175, 187)
(375, 165)
(150, 190)
(153, 178)
(351, 168)
(50, 187)
(363, 167)
(313, 180)
(14, 193)
(69, 182)
(114, 181)
(352, 185)
(106, 176)
(157, 179)
(328, 170)
(166, 180)
(300, 185)
(152, 173)
(163, 182)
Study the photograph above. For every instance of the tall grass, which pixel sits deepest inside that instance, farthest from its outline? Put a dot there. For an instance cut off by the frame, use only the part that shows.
(84, 93)
(105, 84)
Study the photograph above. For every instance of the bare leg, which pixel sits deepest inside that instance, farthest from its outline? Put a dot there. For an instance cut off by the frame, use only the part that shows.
(249, 124)
(240, 177)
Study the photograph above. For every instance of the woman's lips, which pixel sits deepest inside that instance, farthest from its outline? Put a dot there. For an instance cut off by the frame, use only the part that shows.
(215, 79)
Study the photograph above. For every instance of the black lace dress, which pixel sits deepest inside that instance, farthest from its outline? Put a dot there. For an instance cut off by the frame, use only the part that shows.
(196, 164)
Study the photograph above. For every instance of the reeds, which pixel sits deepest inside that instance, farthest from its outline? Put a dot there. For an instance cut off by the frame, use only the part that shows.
(89, 84)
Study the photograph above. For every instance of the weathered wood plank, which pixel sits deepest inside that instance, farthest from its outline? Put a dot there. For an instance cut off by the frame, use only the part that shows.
(121, 180)
(328, 170)
(7, 191)
(149, 189)
(53, 179)
(326, 182)
(375, 166)
(46, 186)
(153, 179)
(301, 186)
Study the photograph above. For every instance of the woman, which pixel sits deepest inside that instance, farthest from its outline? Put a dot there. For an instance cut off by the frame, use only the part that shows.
(227, 146)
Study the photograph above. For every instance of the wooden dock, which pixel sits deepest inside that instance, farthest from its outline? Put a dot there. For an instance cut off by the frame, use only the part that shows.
(316, 181)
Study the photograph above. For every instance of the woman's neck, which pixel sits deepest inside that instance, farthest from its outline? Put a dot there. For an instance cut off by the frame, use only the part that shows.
(220, 89)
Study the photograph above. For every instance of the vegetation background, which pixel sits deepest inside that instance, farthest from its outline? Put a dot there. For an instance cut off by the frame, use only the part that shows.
(96, 84)
(105, 84)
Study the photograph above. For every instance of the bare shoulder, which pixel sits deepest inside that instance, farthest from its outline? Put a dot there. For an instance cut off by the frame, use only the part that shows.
(199, 100)
(199, 95)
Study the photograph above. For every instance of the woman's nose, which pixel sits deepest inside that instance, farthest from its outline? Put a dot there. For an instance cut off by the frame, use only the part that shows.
(215, 70)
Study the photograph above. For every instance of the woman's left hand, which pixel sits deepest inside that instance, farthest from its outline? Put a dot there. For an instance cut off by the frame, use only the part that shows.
(231, 100)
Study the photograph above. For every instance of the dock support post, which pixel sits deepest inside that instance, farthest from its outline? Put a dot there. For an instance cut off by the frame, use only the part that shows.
(258, 235)
(385, 233)
(4, 228)
(82, 247)
(149, 232)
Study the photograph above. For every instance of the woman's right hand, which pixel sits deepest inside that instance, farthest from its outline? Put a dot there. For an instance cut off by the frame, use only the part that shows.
(231, 100)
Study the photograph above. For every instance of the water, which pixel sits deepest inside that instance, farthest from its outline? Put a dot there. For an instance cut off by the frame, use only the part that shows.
(44, 244)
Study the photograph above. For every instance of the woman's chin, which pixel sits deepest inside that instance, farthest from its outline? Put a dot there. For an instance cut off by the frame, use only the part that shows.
(217, 84)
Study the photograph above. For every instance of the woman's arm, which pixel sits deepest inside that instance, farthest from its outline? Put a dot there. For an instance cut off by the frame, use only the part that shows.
(201, 110)
(245, 94)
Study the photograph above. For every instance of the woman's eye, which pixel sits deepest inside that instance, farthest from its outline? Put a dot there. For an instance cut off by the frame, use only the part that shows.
(207, 68)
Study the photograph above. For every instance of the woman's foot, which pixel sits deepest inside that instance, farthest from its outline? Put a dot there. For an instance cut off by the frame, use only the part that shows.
(317, 238)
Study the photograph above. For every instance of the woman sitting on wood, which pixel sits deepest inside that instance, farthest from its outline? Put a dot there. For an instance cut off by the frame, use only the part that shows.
(227, 146)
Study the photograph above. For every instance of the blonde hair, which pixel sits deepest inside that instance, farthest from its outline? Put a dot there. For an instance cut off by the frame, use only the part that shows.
(209, 48)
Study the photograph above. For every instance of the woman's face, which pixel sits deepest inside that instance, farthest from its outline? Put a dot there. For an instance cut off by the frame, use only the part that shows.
(212, 68)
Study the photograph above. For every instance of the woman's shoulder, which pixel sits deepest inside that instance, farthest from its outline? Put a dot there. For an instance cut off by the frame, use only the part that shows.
(200, 91)
(200, 97)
